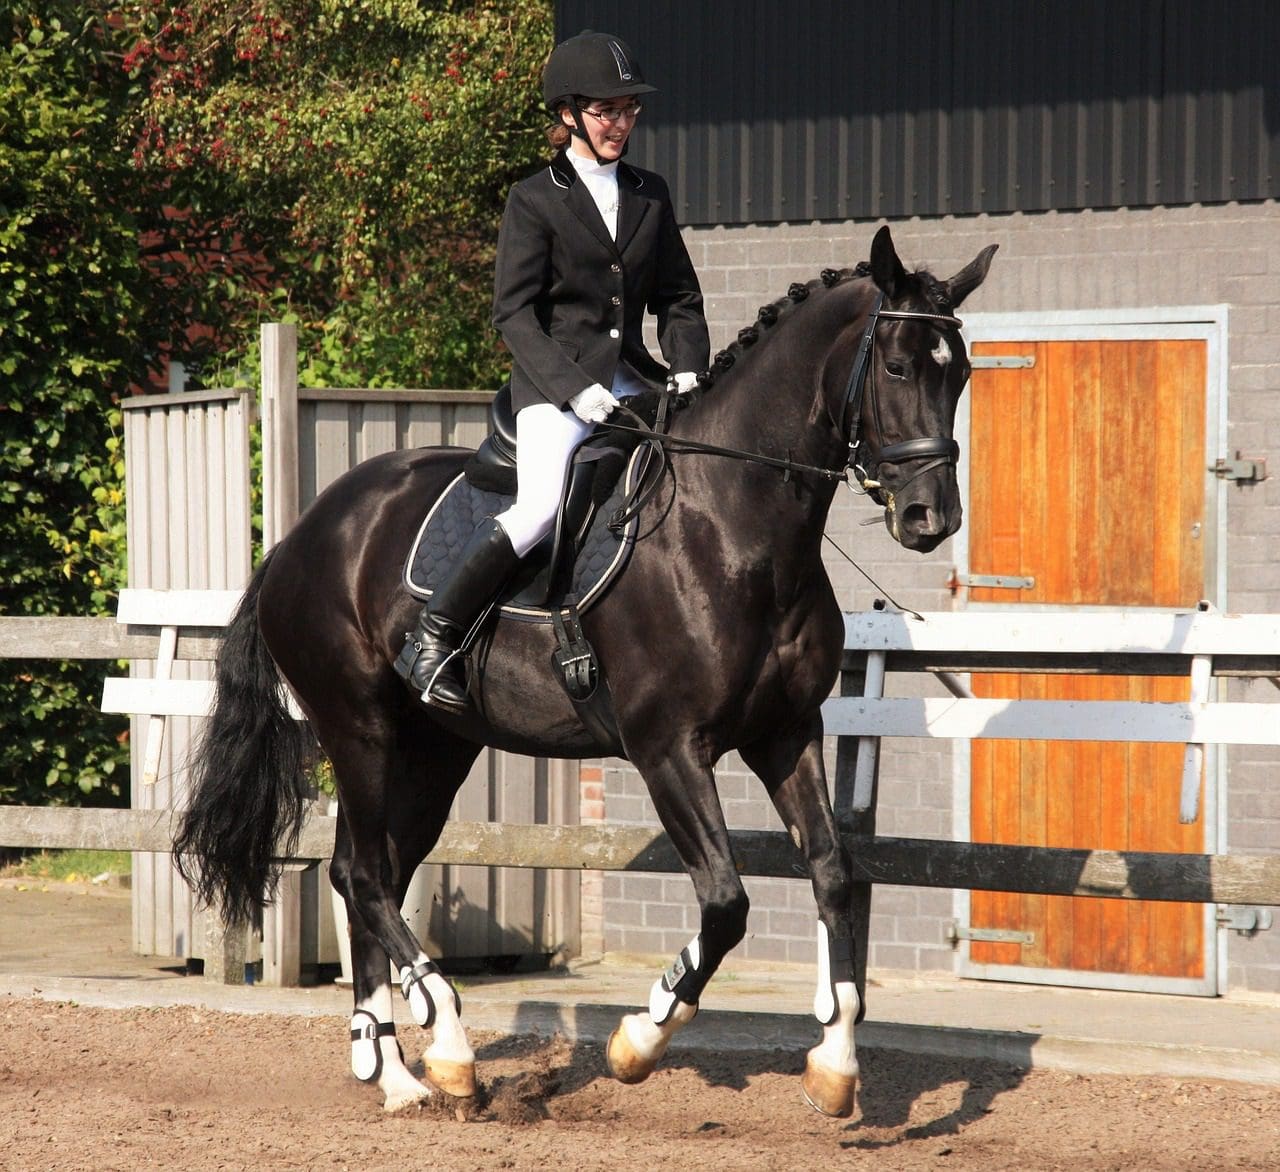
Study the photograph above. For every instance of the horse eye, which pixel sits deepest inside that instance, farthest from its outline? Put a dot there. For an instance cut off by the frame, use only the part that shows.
(897, 369)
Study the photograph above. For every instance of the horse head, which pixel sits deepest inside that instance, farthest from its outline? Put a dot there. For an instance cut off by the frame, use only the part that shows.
(900, 400)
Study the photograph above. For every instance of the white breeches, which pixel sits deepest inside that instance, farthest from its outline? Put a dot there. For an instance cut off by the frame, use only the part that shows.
(546, 438)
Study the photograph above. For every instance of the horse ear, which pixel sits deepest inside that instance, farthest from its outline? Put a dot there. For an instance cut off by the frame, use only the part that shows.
(971, 276)
(886, 269)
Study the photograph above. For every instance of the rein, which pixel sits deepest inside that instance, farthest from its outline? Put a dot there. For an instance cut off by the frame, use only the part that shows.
(660, 442)
(675, 444)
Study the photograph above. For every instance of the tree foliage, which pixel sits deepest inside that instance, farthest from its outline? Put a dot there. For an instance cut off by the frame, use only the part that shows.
(73, 334)
(381, 136)
(172, 175)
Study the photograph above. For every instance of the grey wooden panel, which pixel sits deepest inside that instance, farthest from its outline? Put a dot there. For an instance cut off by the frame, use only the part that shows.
(376, 430)
(422, 425)
(469, 427)
(187, 521)
(332, 446)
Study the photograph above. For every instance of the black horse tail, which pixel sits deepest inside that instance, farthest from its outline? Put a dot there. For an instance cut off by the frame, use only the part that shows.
(248, 779)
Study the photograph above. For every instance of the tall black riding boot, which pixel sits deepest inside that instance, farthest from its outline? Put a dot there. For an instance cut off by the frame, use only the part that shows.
(430, 660)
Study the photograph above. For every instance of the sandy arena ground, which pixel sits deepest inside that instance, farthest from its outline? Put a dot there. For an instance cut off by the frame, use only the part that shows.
(184, 1087)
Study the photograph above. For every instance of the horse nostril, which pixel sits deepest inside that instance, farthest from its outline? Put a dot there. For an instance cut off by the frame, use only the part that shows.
(921, 519)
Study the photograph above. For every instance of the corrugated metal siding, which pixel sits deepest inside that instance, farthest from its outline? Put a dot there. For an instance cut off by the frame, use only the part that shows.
(819, 109)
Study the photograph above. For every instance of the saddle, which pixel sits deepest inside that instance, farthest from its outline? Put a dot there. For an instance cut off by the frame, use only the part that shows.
(593, 476)
(570, 569)
(578, 559)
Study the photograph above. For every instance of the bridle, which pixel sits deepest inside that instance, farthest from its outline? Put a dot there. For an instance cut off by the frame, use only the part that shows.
(930, 451)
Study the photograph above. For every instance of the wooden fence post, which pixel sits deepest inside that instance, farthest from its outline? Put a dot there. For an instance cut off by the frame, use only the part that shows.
(279, 430)
(282, 931)
(281, 921)
(225, 951)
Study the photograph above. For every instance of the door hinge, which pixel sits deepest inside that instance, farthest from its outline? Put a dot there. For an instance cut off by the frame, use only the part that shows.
(996, 581)
(1241, 469)
(1001, 361)
(955, 932)
(1248, 921)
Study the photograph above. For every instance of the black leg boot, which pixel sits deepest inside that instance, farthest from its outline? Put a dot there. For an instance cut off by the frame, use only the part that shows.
(430, 660)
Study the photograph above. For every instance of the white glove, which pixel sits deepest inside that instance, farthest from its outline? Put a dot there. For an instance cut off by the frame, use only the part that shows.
(593, 405)
(682, 383)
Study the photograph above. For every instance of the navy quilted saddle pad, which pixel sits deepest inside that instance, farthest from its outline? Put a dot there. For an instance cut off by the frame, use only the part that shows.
(462, 506)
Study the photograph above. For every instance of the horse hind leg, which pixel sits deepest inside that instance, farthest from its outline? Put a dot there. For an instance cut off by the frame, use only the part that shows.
(376, 1054)
(372, 870)
(795, 778)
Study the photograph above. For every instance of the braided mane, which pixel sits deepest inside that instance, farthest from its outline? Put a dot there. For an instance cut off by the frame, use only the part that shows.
(931, 288)
(769, 315)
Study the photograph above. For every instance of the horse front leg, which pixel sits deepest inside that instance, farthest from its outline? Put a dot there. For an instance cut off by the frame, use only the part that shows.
(792, 770)
(684, 795)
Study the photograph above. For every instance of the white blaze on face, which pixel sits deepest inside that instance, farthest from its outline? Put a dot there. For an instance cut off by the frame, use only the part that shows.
(941, 353)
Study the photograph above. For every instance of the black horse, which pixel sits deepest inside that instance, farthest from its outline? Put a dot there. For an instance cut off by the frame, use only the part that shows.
(722, 634)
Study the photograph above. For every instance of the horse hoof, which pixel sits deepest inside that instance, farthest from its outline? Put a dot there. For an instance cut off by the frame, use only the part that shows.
(453, 1078)
(827, 1092)
(624, 1063)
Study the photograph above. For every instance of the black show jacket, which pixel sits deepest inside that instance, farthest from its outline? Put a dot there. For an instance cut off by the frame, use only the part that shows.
(569, 301)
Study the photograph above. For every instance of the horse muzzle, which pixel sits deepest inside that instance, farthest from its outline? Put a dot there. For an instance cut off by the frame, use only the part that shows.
(916, 483)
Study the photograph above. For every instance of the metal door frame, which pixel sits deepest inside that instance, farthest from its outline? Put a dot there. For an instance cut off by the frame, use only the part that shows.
(1207, 323)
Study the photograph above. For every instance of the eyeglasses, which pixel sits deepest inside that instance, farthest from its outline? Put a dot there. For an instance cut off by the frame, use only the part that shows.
(611, 114)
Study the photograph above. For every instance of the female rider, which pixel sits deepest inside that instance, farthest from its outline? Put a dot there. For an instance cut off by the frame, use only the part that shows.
(586, 246)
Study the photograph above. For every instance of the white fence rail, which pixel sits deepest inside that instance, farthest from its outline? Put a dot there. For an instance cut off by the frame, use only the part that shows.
(1202, 645)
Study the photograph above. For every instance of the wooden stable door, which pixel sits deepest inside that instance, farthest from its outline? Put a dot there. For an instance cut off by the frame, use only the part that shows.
(1087, 475)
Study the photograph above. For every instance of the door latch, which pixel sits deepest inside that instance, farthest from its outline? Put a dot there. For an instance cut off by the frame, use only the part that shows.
(1248, 921)
(955, 931)
(1241, 469)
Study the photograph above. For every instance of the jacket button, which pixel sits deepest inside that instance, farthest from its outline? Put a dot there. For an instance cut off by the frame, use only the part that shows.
(615, 267)
(615, 300)
(614, 334)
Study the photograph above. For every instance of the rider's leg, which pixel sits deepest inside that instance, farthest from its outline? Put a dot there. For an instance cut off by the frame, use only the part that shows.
(435, 668)
(545, 441)
(546, 438)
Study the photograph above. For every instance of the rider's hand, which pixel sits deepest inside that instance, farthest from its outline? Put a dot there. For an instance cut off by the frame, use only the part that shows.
(682, 383)
(593, 405)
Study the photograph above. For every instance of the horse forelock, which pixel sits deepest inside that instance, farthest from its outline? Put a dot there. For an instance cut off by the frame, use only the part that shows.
(770, 316)
(933, 292)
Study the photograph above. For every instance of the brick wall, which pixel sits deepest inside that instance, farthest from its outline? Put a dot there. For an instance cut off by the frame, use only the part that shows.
(1059, 261)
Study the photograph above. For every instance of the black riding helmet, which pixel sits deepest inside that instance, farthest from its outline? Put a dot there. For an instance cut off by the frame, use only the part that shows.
(592, 65)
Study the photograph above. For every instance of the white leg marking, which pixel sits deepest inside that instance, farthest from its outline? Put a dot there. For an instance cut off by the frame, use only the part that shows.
(639, 1044)
(399, 1088)
(836, 1052)
(449, 1060)
(835, 1004)
(831, 1070)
